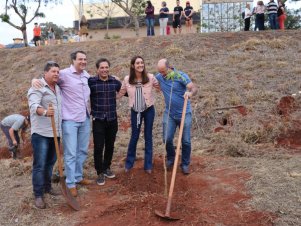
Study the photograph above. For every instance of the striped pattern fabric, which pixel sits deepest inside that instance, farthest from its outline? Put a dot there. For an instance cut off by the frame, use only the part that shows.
(272, 7)
(139, 104)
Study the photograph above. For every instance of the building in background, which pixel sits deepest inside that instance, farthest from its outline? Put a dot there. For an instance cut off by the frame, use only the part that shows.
(222, 15)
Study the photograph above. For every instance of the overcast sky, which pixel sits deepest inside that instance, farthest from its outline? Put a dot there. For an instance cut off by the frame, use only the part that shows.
(62, 15)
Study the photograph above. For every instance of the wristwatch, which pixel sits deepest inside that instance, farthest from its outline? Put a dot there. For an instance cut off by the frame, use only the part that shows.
(44, 113)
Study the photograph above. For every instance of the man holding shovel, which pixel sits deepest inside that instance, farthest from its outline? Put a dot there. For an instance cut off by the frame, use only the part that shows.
(76, 118)
(175, 85)
(44, 154)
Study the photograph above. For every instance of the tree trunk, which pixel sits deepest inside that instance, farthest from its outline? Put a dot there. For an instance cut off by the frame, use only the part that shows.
(108, 21)
(24, 33)
(136, 22)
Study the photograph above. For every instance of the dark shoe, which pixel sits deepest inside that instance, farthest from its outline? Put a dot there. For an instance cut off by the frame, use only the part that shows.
(73, 191)
(185, 170)
(53, 192)
(39, 203)
(148, 171)
(101, 179)
(109, 174)
(14, 152)
(85, 182)
(169, 165)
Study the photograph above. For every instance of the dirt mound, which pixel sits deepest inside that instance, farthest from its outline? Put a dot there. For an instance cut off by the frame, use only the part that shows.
(24, 151)
(286, 105)
(204, 197)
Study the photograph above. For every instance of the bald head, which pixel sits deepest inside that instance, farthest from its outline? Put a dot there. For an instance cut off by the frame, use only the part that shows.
(163, 66)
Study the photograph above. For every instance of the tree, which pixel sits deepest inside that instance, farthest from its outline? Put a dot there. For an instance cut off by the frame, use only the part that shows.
(293, 19)
(58, 31)
(22, 8)
(105, 8)
(133, 8)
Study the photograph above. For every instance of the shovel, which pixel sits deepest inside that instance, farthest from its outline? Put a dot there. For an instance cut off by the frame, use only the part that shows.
(167, 216)
(71, 201)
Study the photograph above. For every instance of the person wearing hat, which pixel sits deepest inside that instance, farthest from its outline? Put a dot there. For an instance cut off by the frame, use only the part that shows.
(11, 125)
(188, 12)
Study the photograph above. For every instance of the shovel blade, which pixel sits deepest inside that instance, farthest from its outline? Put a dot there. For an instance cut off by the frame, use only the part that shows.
(71, 201)
(166, 217)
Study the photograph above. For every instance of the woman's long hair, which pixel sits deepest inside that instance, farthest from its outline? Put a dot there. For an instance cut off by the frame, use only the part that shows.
(149, 4)
(132, 79)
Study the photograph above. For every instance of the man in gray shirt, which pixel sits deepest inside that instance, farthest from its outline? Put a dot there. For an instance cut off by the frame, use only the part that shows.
(10, 126)
(44, 155)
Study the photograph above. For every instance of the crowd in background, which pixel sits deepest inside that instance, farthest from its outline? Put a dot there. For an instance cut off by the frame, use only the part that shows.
(276, 15)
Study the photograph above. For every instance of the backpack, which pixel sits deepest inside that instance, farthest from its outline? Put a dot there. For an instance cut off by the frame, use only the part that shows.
(243, 15)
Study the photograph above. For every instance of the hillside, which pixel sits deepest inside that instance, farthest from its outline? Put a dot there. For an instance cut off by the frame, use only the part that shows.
(245, 123)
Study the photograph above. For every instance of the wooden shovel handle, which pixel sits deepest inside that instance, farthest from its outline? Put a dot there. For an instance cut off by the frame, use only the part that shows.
(57, 150)
(174, 170)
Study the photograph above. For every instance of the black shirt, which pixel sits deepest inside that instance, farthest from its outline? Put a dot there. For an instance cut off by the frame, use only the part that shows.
(178, 11)
(187, 10)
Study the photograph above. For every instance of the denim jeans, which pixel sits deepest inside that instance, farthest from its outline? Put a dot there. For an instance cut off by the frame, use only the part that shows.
(5, 130)
(150, 26)
(75, 142)
(273, 20)
(104, 135)
(163, 26)
(44, 158)
(168, 135)
(148, 116)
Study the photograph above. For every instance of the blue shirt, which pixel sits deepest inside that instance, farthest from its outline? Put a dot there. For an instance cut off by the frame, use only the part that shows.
(103, 97)
(178, 90)
(163, 15)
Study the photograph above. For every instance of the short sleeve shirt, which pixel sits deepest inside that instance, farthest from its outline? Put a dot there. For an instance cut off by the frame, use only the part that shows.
(177, 11)
(163, 15)
(178, 90)
(187, 10)
(14, 121)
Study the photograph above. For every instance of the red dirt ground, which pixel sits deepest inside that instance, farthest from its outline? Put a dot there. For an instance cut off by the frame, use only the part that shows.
(286, 105)
(25, 151)
(208, 196)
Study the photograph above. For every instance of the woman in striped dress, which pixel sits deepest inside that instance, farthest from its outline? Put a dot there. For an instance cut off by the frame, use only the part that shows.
(139, 87)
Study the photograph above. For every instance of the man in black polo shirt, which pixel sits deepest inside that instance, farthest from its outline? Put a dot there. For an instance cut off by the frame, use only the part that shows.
(177, 15)
(105, 126)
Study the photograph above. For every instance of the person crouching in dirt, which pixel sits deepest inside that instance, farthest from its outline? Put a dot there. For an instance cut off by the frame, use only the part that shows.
(139, 86)
(175, 85)
(11, 125)
(104, 118)
(42, 138)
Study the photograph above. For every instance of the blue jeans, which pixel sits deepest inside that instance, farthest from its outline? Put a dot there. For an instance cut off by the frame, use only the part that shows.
(273, 20)
(75, 141)
(150, 26)
(173, 123)
(148, 116)
(5, 130)
(44, 158)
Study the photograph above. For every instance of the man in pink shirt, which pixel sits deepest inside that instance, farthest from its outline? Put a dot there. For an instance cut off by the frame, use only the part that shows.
(75, 93)
(76, 119)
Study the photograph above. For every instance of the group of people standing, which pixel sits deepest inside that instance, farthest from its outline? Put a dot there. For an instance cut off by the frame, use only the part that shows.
(72, 90)
(177, 15)
(276, 14)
